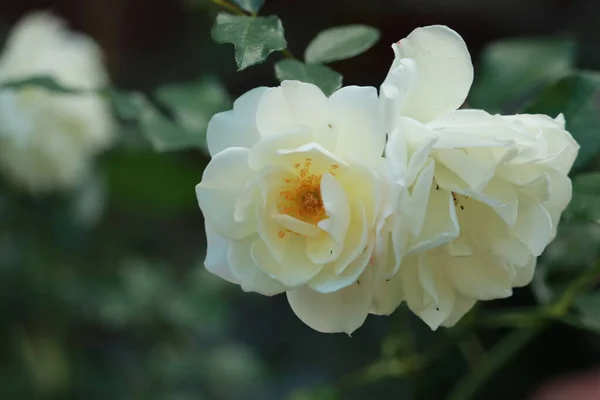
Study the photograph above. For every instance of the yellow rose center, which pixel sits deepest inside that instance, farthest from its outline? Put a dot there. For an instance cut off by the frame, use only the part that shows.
(301, 197)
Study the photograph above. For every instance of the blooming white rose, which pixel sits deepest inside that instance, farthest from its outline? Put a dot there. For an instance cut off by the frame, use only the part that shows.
(498, 187)
(295, 197)
(48, 138)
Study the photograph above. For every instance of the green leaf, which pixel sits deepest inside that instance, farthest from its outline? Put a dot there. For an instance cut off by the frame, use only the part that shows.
(506, 350)
(46, 82)
(588, 306)
(325, 78)
(163, 134)
(510, 70)
(252, 6)
(340, 43)
(575, 248)
(254, 38)
(578, 97)
(585, 203)
(123, 105)
(193, 105)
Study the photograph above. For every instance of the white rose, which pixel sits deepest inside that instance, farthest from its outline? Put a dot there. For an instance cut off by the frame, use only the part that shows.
(499, 183)
(47, 139)
(295, 196)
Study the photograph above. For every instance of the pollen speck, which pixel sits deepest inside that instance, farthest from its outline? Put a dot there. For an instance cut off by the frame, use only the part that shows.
(333, 168)
(301, 197)
(456, 197)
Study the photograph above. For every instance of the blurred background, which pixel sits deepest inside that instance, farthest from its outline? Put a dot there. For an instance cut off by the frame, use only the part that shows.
(103, 294)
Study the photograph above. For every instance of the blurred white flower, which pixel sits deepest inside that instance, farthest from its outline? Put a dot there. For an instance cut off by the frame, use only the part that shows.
(499, 183)
(47, 139)
(296, 196)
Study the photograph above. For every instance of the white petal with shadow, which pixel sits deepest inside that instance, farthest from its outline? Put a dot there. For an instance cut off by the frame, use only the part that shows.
(341, 311)
(223, 181)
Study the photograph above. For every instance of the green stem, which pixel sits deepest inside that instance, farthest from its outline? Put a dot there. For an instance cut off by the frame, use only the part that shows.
(516, 319)
(503, 352)
(581, 284)
(386, 368)
(472, 350)
(557, 310)
(288, 54)
(528, 325)
(230, 7)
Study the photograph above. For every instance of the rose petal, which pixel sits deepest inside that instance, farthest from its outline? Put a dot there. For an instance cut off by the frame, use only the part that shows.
(462, 305)
(357, 118)
(444, 72)
(337, 206)
(441, 223)
(235, 128)
(341, 311)
(296, 103)
(222, 183)
(438, 295)
(426, 293)
(481, 276)
(216, 255)
(328, 281)
(534, 225)
(524, 274)
(295, 269)
(267, 151)
(245, 269)
(388, 291)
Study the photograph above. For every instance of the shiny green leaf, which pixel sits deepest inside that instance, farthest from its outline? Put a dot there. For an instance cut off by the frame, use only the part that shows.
(252, 6)
(341, 42)
(46, 82)
(163, 133)
(325, 78)
(254, 38)
(193, 104)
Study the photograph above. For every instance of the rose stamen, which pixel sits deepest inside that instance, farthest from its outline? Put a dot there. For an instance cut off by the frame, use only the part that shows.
(301, 198)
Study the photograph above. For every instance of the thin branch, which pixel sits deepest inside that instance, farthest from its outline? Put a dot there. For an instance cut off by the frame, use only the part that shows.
(580, 285)
(500, 354)
(288, 54)
(529, 325)
(472, 350)
(230, 7)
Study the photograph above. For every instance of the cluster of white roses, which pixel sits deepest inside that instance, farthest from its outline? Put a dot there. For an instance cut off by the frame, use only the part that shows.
(355, 203)
(48, 139)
